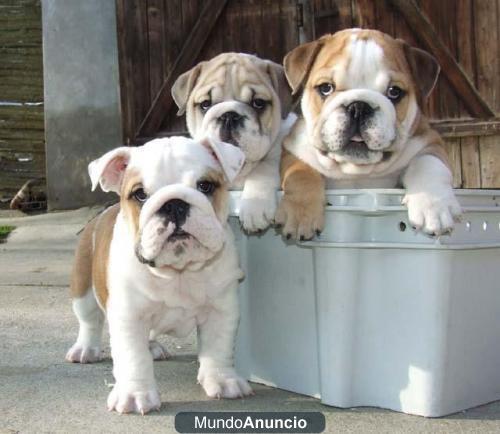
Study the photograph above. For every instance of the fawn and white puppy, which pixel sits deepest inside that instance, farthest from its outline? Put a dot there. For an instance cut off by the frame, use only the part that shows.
(244, 100)
(163, 260)
(363, 127)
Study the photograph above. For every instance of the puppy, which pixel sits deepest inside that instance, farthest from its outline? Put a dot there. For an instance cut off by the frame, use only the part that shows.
(243, 100)
(163, 260)
(363, 127)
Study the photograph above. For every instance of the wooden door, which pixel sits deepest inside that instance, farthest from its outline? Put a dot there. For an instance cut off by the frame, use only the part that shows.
(160, 39)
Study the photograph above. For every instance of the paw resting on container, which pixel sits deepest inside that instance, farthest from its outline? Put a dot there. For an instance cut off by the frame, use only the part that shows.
(301, 219)
(433, 215)
(83, 354)
(257, 213)
(223, 383)
(133, 399)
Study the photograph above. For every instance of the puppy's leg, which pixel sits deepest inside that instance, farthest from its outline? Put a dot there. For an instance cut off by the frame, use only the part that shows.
(258, 200)
(158, 351)
(87, 348)
(302, 208)
(135, 388)
(432, 206)
(216, 345)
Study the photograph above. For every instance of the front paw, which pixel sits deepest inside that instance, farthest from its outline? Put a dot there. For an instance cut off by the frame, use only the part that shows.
(83, 354)
(223, 383)
(256, 214)
(133, 399)
(301, 219)
(434, 215)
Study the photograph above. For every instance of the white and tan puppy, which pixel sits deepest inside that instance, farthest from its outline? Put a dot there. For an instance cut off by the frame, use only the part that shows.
(241, 99)
(363, 127)
(163, 260)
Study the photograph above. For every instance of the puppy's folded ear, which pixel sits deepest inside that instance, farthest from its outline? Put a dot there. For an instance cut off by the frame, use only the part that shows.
(109, 169)
(424, 68)
(280, 85)
(230, 157)
(183, 87)
(298, 63)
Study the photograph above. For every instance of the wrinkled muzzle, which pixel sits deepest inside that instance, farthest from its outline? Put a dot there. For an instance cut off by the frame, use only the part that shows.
(236, 123)
(357, 126)
(178, 228)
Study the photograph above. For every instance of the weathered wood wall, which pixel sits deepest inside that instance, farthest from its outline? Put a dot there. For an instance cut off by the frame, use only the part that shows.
(22, 148)
(152, 34)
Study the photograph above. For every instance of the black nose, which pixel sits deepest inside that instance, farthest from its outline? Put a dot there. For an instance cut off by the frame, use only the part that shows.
(231, 120)
(175, 210)
(359, 110)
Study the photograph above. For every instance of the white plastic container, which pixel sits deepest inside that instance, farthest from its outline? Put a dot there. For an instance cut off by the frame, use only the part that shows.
(372, 314)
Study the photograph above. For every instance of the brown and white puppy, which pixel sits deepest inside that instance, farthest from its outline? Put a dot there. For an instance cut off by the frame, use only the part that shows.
(244, 100)
(363, 127)
(163, 260)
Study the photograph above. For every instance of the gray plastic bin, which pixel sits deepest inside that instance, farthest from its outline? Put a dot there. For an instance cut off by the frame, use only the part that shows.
(372, 314)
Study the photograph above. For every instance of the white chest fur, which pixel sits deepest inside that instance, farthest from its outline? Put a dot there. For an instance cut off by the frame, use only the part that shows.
(175, 302)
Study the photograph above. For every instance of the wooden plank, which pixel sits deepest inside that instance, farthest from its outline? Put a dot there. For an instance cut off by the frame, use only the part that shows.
(486, 43)
(331, 16)
(192, 47)
(471, 166)
(364, 14)
(465, 42)
(24, 112)
(177, 20)
(156, 22)
(23, 145)
(453, 71)
(133, 63)
(467, 127)
(452, 147)
(445, 25)
(21, 124)
(288, 28)
(8, 133)
(489, 149)
(384, 15)
(21, 93)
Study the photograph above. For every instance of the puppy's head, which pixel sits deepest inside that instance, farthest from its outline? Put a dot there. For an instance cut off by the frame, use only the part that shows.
(237, 98)
(173, 196)
(362, 95)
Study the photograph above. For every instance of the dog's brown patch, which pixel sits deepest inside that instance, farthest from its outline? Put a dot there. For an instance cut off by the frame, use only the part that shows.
(131, 208)
(81, 275)
(103, 236)
(92, 257)
(220, 196)
(301, 210)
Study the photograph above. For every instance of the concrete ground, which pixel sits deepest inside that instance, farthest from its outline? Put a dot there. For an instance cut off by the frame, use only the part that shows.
(40, 392)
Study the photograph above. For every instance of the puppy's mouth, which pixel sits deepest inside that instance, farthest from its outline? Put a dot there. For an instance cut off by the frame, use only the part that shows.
(357, 151)
(178, 234)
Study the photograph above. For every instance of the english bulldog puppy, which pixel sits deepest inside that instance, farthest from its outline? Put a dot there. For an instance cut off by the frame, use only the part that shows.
(163, 260)
(244, 100)
(363, 127)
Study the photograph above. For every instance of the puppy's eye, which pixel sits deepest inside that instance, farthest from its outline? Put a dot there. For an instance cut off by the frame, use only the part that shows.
(205, 105)
(259, 104)
(395, 93)
(205, 187)
(325, 89)
(140, 195)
